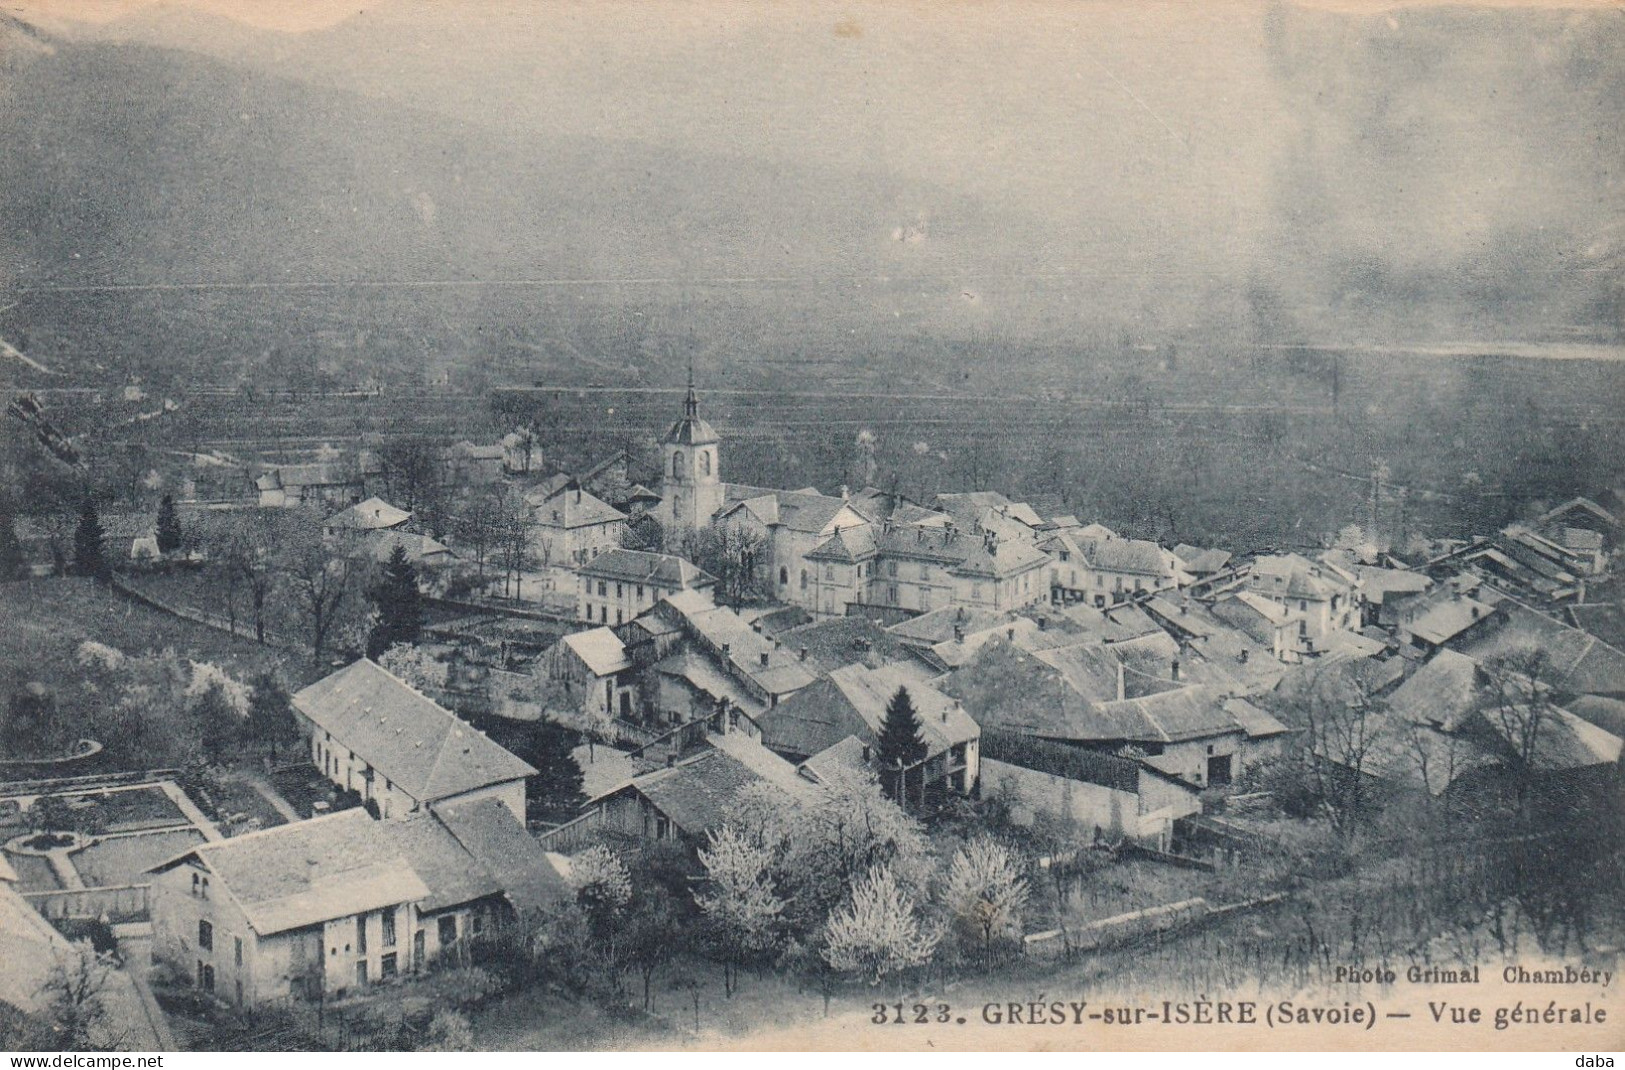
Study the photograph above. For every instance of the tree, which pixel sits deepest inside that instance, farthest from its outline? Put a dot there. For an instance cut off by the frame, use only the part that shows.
(1522, 712)
(32, 728)
(399, 605)
(556, 787)
(601, 881)
(985, 890)
(736, 555)
(169, 526)
(1342, 727)
(646, 934)
(88, 559)
(416, 666)
(511, 525)
(270, 714)
(72, 994)
(217, 722)
(744, 914)
(879, 932)
(900, 749)
(247, 544)
(644, 533)
(318, 585)
(13, 561)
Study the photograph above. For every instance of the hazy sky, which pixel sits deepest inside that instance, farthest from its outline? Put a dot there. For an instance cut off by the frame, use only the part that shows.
(1330, 153)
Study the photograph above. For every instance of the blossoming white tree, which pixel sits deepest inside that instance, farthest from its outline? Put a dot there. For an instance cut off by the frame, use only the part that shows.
(879, 933)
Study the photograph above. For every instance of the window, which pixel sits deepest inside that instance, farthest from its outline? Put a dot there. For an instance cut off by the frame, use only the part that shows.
(705, 462)
(925, 572)
(829, 572)
(677, 464)
(617, 616)
(205, 936)
(1303, 628)
(387, 966)
(361, 934)
(891, 568)
(448, 930)
(478, 920)
(1303, 606)
(388, 918)
(803, 579)
(196, 883)
(618, 593)
(976, 590)
(640, 592)
(784, 576)
(603, 614)
(361, 972)
(891, 593)
(603, 589)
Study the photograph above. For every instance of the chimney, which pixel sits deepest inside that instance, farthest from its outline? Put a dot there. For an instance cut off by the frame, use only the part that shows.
(959, 634)
(764, 659)
(727, 650)
(671, 759)
(803, 653)
(1455, 595)
(845, 493)
(866, 752)
(1175, 669)
(1475, 612)
(1242, 657)
(944, 715)
(1011, 635)
(1043, 622)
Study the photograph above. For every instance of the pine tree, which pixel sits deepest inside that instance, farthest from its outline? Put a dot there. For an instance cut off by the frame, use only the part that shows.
(399, 603)
(88, 559)
(557, 783)
(13, 561)
(900, 747)
(169, 526)
(270, 716)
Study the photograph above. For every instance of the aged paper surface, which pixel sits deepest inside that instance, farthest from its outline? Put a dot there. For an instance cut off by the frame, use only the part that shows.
(870, 526)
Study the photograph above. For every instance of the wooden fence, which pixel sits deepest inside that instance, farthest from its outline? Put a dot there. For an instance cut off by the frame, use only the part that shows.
(572, 835)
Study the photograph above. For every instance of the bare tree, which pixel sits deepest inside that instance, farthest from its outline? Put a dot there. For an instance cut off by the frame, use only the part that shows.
(1521, 711)
(316, 583)
(1342, 727)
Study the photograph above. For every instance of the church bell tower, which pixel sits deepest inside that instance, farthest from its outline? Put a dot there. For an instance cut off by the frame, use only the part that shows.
(691, 483)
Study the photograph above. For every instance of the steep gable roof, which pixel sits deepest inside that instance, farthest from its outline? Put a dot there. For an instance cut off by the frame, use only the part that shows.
(370, 515)
(642, 566)
(425, 750)
(600, 649)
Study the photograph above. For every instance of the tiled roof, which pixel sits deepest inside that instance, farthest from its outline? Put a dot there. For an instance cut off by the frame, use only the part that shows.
(1581, 663)
(425, 750)
(1089, 669)
(489, 832)
(840, 641)
(1170, 716)
(847, 546)
(1443, 691)
(575, 508)
(311, 871)
(1200, 561)
(943, 722)
(719, 626)
(600, 649)
(1131, 556)
(1446, 619)
(699, 794)
(835, 762)
(1009, 557)
(419, 548)
(641, 566)
(939, 624)
(370, 515)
